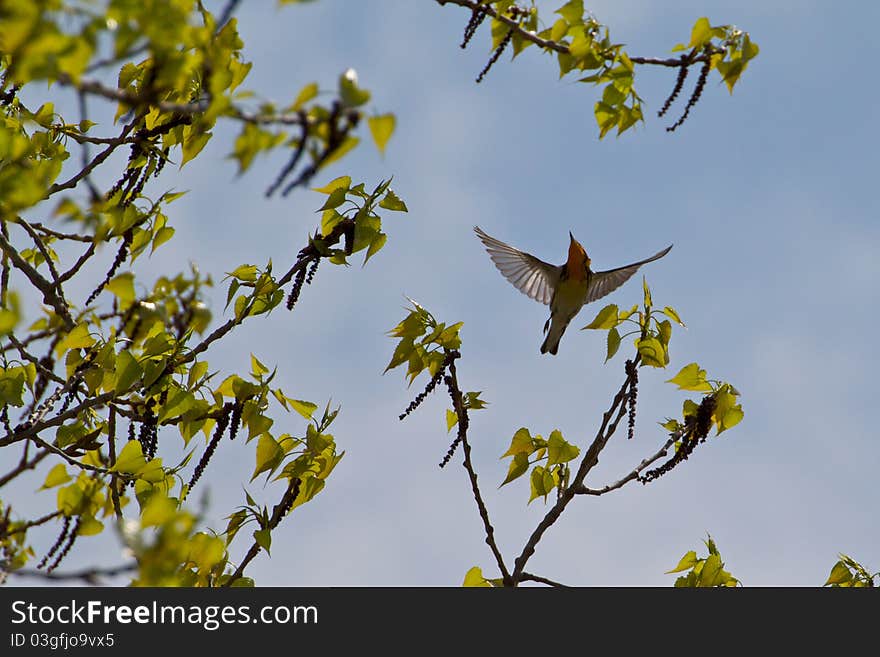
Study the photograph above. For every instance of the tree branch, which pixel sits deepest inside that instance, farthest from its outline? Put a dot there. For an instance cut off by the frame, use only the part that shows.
(42, 520)
(89, 575)
(547, 44)
(528, 577)
(38, 426)
(22, 466)
(461, 412)
(591, 458)
(659, 454)
(50, 297)
(281, 509)
(99, 158)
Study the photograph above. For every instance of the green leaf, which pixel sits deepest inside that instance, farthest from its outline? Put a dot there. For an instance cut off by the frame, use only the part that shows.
(709, 575)
(647, 290)
(687, 562)
(263, 537)
(342, 182)
(162, 235)
(241, 307)
(691, 377)
(701, 33)
(375, 245)
(12, 387)
(305, 95)
(152, 471)
(122, 287)
(304, 408)
(127, 371)
(521, 443)
(335, 199)
(158, 510)
(194, 145)
(179, 402)
(78, 338)
(130, 459)
(90, 526)
(559, 450)
(572, 11)
(392, 202)
(269, 455)
(57, 476)
(840, 574)
(247, 273)
(605, 319)
(402, 352)
(451, 420)
(257, 368)
(652, 352)
(671, 314)
(382, 127)
(541, 482)
(613, 343)
(349, 91)
(518, 467)
(474, 579)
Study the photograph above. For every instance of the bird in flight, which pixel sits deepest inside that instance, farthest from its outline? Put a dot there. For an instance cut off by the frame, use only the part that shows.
(566, 288)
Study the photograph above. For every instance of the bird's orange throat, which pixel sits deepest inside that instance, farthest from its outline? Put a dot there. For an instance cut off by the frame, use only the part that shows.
(578, 262)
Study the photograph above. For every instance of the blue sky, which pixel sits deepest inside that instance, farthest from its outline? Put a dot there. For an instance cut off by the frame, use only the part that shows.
(767, 195)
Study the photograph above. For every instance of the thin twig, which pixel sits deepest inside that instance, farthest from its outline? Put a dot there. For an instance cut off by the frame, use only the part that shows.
(58, 235)
(278, 514)
(40, 425)
(85, 151)
(44, 251)
(99, 158)
(50, 297)
(529, 577)
(70, 459)
(461, 412)
(21, 467)
(42, 520)
(659, 454)
(89, 575)
(36, 361)
(89, 252)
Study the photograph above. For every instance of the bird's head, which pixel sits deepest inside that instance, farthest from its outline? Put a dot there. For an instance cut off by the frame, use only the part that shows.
(578, 260)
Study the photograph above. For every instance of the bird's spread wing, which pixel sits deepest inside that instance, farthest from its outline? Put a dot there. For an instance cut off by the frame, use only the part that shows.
(605, 282)
(528, 274)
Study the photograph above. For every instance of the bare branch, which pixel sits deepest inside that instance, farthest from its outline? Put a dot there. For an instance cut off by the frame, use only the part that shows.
(89, 575)
(50, 296)
(528, 577)
(39, 425)
(36, 361)
(70, 459)
(99, 158)
(22, 466)
(42, 520)
(659, 454)
(461, 412)
(61, 236)
(44, 252)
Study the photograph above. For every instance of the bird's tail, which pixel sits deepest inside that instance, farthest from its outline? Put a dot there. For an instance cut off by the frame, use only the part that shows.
(551, 342)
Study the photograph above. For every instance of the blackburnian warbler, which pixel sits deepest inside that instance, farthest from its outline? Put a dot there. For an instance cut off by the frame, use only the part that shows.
(566, 288)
